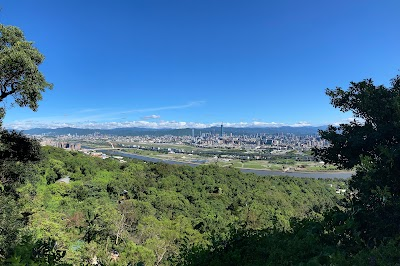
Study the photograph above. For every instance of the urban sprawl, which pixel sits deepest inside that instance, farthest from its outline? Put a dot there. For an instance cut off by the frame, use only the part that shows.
(258, 146)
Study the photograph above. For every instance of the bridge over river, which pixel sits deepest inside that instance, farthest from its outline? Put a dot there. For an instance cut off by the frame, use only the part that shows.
(331, 174)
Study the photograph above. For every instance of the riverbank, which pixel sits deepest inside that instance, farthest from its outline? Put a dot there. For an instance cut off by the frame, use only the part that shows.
(303, 167)
(333, 174)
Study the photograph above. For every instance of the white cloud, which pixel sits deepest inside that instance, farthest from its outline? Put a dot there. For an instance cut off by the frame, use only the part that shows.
(301, 124)
(158, 124)
(348, 120)
(147, 117)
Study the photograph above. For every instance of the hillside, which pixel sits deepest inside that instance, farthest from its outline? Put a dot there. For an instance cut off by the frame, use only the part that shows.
(155, 213)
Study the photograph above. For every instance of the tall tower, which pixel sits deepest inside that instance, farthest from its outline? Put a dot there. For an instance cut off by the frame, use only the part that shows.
(192, 132)
(222, 130)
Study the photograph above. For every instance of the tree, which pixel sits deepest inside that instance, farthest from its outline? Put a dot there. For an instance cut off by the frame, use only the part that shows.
(371, 144)
(17, 152)
(21, 81)
(20, 77)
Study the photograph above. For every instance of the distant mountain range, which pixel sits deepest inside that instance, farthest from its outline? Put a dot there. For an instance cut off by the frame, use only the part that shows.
(306, 130)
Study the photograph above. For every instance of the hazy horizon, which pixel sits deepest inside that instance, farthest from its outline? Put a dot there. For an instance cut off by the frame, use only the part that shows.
(165, 125)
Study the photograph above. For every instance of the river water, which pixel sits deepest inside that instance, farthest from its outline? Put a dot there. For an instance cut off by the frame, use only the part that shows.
(255, 171)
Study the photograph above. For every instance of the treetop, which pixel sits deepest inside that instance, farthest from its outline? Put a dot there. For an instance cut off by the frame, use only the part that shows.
(20, 77)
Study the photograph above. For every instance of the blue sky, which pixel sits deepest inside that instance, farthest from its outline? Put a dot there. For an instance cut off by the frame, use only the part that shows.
(199, 63)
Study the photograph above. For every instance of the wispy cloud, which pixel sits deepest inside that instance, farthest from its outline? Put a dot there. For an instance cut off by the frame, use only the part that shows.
(148, 117)
(99, 115)
(162, 108)
(89, 110)
(102, 115)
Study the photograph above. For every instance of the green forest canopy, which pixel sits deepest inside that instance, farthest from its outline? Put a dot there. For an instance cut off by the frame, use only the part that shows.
(151, 213)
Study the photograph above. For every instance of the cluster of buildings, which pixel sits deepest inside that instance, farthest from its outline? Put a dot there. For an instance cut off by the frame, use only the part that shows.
(220, 140)
(74, 146)
(260, 141)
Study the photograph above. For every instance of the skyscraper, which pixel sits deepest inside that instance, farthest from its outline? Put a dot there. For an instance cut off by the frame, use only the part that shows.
(222, 130)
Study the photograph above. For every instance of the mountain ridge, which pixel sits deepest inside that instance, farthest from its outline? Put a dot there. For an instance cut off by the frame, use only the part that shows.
(137, 131)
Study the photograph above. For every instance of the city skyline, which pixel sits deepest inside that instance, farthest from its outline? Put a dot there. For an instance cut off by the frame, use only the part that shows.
(177, 64)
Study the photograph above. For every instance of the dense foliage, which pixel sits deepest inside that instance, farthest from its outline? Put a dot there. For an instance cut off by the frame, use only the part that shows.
(152, 213)
(372, 143)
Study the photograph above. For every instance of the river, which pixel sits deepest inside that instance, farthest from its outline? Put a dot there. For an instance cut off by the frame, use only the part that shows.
(332, 174)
